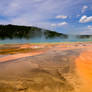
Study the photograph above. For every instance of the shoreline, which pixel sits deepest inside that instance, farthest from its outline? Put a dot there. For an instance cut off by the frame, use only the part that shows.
(47, 42)
(6, 49)
(16, 51)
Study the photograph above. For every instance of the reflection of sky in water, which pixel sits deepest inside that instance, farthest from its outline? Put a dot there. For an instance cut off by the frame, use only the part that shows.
(38, 40)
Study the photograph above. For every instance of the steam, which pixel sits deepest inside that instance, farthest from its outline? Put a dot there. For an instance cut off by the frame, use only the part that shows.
(41, 36)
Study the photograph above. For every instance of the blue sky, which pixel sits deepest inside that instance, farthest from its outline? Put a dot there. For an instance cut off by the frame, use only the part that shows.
(65, 16)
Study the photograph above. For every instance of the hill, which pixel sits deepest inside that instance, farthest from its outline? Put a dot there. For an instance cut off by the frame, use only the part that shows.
(16, 31)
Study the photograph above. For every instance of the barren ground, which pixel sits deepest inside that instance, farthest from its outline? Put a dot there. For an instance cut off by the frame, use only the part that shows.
(63, 67)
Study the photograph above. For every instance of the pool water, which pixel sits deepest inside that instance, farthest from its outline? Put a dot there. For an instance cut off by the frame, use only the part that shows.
(41, 40)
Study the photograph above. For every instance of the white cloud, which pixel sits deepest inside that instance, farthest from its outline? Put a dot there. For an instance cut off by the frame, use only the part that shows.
(37, 12)
(85, 19)
(59, 24)
(84, 8)
(86, 30)
(61, 17)
(89, 27)
(53, 25)
(31, 12)
(62, 23)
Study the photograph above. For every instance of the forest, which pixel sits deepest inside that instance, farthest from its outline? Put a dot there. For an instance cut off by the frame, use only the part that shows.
(27, 32)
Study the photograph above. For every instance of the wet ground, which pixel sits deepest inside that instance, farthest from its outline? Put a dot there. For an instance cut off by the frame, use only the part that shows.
(64, 67)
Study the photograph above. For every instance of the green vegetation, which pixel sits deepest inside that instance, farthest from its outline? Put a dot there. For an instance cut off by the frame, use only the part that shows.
(84, 36)
(15, 31)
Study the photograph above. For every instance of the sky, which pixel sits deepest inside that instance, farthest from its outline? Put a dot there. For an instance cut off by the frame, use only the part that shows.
(64, 16)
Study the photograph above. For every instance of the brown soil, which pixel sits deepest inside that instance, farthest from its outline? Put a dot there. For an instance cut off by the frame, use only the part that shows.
(64, 67)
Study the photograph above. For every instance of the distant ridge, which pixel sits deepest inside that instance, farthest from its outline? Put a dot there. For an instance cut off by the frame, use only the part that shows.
(16, 31)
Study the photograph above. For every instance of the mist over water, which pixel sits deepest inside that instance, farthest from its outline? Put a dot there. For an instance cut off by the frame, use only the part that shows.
(42, 40)
(41, 37)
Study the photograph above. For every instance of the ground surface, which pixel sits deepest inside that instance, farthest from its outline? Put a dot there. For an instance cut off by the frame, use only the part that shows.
(63, 67)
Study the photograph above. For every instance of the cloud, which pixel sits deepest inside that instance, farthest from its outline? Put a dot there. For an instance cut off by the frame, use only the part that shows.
(59, 24)
(84, 8)
(39, 13)
(61, 17)
(89, 27)
(62, 23)
(53, 25)
(85, 19)
(32, 12)
(87, 30)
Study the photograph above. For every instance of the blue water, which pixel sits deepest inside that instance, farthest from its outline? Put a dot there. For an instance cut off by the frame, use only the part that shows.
(41, 40)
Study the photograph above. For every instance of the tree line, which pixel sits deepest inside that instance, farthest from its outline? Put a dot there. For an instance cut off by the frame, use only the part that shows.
(27, 32)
